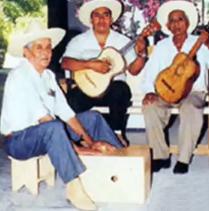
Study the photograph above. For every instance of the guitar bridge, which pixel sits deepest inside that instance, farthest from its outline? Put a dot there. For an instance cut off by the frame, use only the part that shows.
(168, 86)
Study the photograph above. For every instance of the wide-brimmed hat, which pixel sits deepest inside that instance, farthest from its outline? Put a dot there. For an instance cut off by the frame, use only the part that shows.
(188, 7)
(88, 7)
(34, 31)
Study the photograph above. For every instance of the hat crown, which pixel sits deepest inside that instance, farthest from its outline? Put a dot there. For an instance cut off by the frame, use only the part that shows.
(34, 31)
(34, 26)
(188, 7)
(88, 6)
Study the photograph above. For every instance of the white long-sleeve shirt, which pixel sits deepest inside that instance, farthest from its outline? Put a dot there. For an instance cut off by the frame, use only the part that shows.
(162, 57)
(85, 46)
(29, 96)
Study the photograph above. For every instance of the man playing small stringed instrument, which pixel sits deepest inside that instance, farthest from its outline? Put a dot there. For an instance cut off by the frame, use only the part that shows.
(81, 55)
(178, 19)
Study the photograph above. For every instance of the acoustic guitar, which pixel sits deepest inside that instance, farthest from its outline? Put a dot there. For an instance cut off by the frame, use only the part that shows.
(175, 82)
(94, 84)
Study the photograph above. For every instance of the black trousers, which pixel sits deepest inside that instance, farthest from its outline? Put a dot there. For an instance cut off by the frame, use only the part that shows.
(117, 97)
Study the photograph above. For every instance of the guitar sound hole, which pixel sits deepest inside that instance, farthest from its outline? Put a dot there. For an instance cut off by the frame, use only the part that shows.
(114, 178)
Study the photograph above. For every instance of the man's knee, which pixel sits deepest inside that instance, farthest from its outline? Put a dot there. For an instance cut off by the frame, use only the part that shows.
(121, 91)
(55, 126)
(188, 108)
(146, 109)
(94, 115)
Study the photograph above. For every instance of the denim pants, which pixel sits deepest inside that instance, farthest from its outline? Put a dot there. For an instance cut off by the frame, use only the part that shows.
(55, 139)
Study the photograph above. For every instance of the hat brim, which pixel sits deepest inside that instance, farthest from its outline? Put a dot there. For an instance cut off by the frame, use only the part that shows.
(189, 9)
(87, 8)
(18, 42)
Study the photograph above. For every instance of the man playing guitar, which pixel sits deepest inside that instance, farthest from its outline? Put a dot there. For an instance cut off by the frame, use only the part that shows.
(178, 19)
(82, 52)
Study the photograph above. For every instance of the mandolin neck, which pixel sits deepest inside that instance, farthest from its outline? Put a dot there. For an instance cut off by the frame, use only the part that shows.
(127, 46)
(149, 30)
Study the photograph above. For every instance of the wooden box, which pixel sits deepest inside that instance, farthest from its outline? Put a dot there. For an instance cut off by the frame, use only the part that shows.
(123, 176)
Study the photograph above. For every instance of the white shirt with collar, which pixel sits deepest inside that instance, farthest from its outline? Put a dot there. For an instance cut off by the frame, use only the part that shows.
(162, 57)
(85, 46)
(29, 96)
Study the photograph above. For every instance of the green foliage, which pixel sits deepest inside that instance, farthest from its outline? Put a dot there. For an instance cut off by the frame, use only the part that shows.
(17, 13)
(29, 6)
(12, 11)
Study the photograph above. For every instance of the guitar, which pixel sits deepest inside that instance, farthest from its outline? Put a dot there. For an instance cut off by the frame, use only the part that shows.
(93, 83)
(175, 82)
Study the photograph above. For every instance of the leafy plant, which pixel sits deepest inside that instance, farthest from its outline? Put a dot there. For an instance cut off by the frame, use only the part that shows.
(17, 13)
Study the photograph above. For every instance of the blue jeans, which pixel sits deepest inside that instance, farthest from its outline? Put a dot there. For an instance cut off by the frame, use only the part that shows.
(55, 139)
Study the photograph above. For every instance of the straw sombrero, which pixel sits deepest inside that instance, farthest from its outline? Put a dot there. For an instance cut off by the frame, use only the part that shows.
(34, 31)
(186, 6)
(88, 7)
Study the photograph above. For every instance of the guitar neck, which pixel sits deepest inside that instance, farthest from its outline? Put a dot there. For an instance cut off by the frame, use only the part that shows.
(195, 48)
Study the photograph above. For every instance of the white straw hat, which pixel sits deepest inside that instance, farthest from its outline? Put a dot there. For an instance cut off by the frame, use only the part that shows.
(188, 7)
(34, 31)
(88, 7)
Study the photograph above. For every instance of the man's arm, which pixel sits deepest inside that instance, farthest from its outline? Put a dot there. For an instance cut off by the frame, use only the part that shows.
(78, 128)
(46, 118)
(141, 51)
(91, 146)
(137, 65)
(76, 65)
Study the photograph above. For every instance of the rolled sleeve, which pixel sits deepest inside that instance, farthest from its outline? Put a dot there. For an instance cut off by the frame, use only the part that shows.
(73, 48)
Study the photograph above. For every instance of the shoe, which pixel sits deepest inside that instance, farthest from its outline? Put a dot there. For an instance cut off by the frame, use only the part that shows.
(123, 139)
(181, 168)
(78, 197)
(157, 164)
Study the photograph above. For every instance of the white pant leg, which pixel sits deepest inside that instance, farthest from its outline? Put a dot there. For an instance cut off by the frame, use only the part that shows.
(156, 118)
(191, 121)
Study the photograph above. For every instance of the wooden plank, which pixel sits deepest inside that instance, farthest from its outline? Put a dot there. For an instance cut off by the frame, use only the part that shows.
(138, 110)
(202, 149)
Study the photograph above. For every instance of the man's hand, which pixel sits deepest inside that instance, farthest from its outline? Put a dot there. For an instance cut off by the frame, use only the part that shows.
(140, 46)
(46, 118)
(103, 146)
(204, 36)
(100, 66)
(150, 98)
(86, 151)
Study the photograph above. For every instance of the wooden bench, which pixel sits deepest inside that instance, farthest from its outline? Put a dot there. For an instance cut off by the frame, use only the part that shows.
(136, 109)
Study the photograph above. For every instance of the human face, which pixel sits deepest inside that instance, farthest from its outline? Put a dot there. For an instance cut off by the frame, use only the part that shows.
(178, 22)
(101, 20)
(39, 53)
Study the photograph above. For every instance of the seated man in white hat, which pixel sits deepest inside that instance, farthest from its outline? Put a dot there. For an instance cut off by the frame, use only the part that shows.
(178, 19)
(82, 52)
(32, 102)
